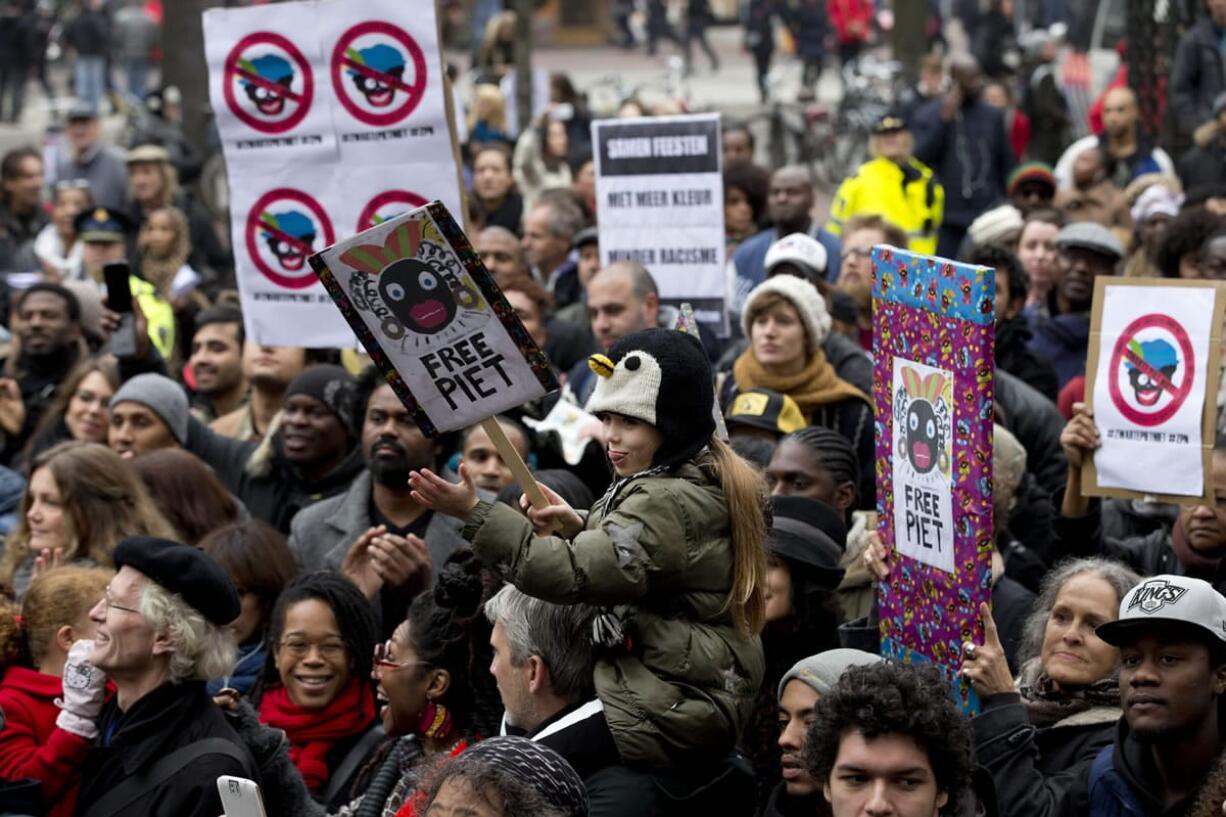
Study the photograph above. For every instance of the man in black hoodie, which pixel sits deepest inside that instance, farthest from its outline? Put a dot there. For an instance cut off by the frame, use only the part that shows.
(1171, 632)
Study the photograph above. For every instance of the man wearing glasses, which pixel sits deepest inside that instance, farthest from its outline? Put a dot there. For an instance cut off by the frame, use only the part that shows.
(160, 743)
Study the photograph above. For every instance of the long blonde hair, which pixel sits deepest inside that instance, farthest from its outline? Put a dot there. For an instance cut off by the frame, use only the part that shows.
(103, 501)
(745, 493)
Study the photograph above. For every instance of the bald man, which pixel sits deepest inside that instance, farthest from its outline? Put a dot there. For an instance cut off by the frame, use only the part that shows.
(621, 298)
(1127, 151)
(963, 139)
(501, 252)
(790, 208)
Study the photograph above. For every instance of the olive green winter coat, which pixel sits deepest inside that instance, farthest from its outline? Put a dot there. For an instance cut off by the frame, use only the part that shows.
(682, 691)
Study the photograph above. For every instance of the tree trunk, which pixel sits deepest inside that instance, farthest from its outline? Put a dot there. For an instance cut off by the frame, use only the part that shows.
(523, 62)
(183, 64)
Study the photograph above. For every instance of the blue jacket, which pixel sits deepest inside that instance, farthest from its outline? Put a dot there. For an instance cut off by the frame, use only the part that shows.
(1061, 340)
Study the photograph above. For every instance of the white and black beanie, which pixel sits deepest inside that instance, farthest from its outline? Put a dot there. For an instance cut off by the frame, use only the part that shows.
(662, 377)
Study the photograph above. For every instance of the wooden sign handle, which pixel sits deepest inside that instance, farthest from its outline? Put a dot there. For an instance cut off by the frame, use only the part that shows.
(523, 477)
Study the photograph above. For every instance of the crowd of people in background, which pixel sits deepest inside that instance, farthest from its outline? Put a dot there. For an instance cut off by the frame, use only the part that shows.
(222, 557)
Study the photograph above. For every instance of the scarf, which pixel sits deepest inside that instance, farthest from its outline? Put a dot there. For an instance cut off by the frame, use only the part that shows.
(251, 658)
(814, 386)
(313, 732)
(1046, 705)
(1195, 563)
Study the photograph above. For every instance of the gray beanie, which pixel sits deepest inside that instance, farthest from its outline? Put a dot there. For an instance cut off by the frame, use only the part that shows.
(162, 396)
(822, 671)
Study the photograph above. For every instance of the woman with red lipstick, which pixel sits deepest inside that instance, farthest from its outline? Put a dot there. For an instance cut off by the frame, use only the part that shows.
(786, 321)
(1036, 735)
(673, 554)
(320, 643)
(34, 647)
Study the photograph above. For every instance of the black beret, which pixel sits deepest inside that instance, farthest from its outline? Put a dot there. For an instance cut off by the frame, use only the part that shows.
(185, 570)
(809, 532)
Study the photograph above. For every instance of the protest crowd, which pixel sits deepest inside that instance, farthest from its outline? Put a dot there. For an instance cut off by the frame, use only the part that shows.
(225, 557)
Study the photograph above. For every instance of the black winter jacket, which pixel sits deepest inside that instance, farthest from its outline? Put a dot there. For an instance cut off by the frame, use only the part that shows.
(1034, 768)
(1013, 354)
(168, 718)
(1037, 424)
(1198, 76)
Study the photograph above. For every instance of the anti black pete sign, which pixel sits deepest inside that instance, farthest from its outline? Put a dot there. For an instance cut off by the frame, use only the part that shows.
(660, 202)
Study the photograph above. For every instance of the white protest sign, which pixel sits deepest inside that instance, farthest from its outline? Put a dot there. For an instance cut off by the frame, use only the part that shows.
(332, 127)
(660, 201)
(1154, 355)
(921, 461)
(433, 321)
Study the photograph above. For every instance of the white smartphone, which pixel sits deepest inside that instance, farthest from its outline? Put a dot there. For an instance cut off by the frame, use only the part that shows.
(240, 797)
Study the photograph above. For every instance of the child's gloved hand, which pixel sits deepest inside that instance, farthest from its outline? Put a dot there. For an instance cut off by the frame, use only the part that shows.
(84, 692)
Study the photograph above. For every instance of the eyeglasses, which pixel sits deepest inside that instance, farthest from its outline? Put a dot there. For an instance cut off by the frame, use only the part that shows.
(72, 184)
(110, 605)
(857, 252)
(383, 659)
(328, 649)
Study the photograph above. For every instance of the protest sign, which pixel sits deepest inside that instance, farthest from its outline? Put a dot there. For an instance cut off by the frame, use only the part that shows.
(933, 393)
(313, 119)
(433, 321)
(660, 195)
(1152, 382)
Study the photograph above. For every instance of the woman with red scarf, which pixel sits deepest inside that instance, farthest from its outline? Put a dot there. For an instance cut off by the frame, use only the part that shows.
(321, 644)
(34, 647)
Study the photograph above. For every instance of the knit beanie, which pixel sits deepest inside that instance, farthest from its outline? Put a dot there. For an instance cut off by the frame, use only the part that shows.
(661, 377)
(822, 671)
(162, 396)
(1031, 172)
(534, 764)
(809, 304)
(996, 225)
(330, 385)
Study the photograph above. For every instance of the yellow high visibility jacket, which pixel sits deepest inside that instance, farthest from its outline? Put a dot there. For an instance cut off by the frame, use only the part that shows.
(907, 196)
(159, 314)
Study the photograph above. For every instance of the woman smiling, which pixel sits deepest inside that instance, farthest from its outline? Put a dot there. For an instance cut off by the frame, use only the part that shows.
(1036, 736)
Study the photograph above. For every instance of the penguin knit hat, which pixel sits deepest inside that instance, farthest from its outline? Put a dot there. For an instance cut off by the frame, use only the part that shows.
(162, 396)
(822, 671)
(802, 295)
(661, 377)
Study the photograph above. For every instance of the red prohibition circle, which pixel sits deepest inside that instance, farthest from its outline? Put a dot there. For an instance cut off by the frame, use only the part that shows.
(1117, 355)
(338, 72)
(254, 226)
(367, 219)
(231, 75)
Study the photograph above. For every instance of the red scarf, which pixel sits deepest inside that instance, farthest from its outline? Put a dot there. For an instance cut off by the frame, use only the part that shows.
(313, 732)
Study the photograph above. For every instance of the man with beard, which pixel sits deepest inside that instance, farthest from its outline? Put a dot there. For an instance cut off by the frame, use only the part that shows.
(1171, 633)
(216, 362)
(375, 532)
(1061, 335)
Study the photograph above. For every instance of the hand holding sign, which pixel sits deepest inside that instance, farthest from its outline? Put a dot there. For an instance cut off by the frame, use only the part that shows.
(1080, 437)
(984, 665)
(556, 517)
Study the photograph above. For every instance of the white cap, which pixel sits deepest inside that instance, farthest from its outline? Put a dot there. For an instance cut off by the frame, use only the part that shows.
(800, 249)
(1167, 600)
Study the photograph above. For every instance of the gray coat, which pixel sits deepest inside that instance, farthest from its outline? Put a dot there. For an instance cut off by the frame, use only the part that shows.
(320, 534)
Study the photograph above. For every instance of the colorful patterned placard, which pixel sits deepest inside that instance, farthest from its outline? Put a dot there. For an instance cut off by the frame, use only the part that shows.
(933, 381)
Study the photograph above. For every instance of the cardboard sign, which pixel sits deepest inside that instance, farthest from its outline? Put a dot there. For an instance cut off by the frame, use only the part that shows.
(660, 196)
(330, 126)
(433, 320)
(1152, 380)
(933, 379)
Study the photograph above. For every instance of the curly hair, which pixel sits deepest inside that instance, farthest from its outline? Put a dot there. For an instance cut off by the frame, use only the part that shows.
(1184, 237)
(202, 650)
(448, 630)
(895, 699)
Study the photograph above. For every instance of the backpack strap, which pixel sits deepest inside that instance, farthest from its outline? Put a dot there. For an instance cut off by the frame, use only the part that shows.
(119, 798)
(353, 758)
